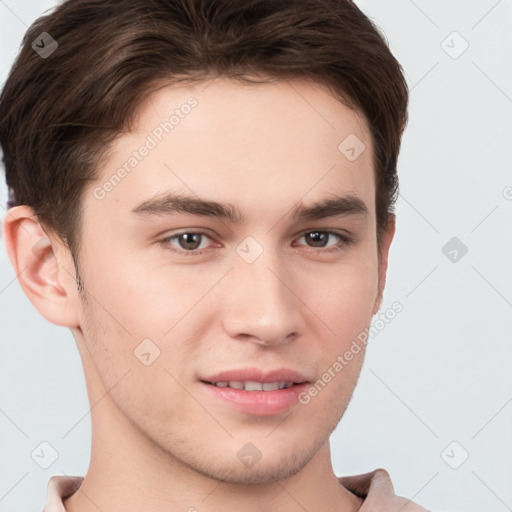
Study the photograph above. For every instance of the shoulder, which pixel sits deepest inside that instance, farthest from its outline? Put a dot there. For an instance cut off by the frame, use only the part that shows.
(378, 493)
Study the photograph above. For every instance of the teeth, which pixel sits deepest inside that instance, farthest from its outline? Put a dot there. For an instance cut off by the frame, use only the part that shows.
(254, 386)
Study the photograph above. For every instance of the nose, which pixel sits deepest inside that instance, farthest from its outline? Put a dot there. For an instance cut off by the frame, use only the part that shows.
(261, 305)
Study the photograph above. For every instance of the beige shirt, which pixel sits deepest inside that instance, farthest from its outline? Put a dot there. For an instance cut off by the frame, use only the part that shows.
(375, 488)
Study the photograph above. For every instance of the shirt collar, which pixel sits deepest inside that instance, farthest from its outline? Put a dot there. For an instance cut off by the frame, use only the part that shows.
(374, 488)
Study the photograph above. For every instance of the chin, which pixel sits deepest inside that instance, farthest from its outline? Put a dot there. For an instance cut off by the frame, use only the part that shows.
(263, 471)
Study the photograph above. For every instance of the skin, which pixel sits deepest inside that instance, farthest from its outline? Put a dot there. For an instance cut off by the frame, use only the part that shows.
(159, 442)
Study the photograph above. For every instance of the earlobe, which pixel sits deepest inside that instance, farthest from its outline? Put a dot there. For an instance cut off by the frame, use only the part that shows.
(44, 278)
(387, 238)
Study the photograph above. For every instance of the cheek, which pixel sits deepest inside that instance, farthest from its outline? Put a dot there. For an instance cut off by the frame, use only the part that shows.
(345, 297)
(131, 300)
(108, 341)
(140, 373)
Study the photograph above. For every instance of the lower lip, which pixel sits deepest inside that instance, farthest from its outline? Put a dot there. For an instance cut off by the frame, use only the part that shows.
(261, 403)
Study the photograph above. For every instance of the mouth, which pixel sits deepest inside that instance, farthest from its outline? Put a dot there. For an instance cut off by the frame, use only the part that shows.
(251, 385)
(256, 392)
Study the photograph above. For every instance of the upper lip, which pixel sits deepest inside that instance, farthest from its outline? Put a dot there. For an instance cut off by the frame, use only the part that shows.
(257, 375)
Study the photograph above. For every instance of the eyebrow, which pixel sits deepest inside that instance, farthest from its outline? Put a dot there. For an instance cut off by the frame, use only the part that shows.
(168, 204)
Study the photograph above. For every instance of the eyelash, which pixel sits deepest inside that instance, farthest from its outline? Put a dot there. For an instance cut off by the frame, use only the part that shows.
(345, 241)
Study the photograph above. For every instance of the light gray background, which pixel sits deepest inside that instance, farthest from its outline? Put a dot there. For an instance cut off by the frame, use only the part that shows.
(440, 371)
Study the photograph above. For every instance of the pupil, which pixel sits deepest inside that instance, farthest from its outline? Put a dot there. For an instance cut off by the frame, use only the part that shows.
(317, 236)
(190, 241)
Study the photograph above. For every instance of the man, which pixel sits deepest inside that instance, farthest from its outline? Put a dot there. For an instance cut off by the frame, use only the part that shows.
(265, 135)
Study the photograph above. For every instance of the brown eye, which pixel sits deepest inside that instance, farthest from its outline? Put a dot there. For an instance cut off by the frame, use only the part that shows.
(320, 239)
(189, 241)
(317, 238)
(186, 243)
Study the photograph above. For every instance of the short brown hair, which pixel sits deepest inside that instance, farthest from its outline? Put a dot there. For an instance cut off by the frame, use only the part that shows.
(59, 115)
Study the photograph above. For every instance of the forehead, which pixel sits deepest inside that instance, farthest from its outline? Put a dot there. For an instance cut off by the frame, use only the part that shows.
(268, 144)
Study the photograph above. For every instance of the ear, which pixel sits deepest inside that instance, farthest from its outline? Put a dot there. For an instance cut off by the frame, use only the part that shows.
(387, 238)
(44, 268)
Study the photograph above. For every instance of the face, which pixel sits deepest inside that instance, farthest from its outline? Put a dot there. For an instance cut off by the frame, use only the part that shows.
(210, 259)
